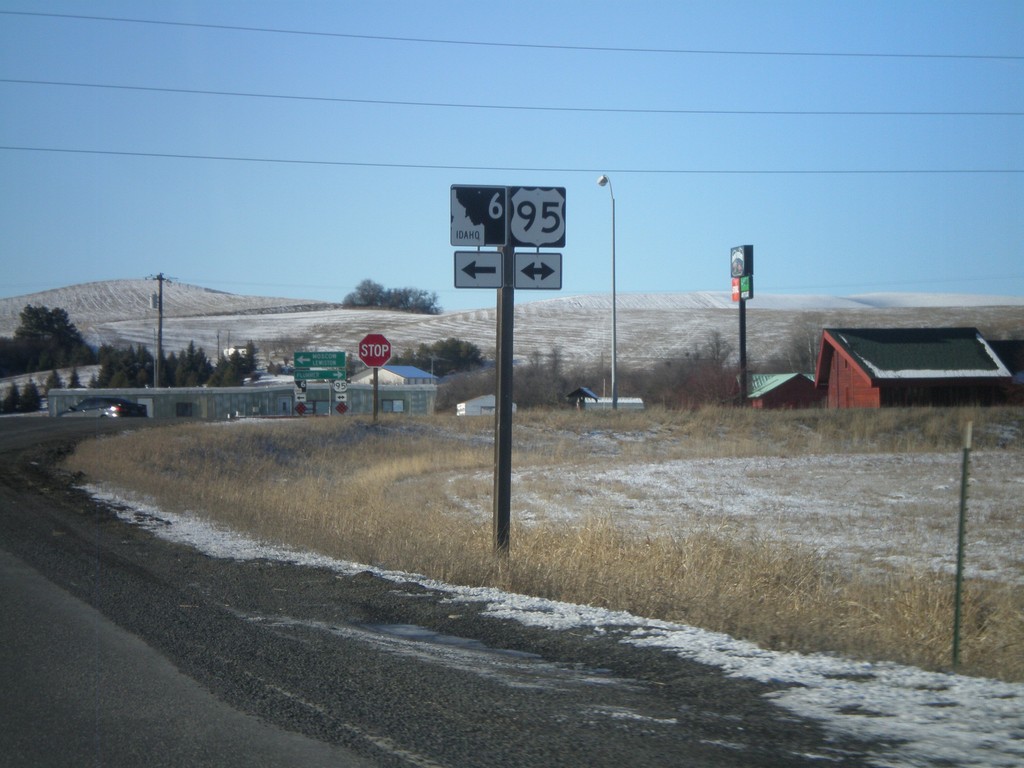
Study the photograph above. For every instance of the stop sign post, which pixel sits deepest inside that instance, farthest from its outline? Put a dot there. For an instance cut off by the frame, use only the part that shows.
(374, 352)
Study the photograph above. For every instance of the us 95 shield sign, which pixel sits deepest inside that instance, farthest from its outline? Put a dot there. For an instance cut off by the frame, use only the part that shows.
(538, 216)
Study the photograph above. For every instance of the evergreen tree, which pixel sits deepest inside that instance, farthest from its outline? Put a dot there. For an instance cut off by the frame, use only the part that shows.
(53, 382)
(10, 401)
(444, 357)
(193, 368)
(250, 357)
(169, 370)
(30, 399)
(230, 371)
(131, 367)
(46, 338)
(74, 382)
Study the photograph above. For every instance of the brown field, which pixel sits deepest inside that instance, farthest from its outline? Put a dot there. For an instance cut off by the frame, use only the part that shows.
(414, 494)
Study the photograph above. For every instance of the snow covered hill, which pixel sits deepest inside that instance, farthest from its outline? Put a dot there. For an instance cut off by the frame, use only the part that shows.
(652, 327)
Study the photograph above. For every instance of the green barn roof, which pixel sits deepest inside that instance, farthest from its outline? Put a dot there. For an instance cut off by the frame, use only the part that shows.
(763, 383)
(920, 353)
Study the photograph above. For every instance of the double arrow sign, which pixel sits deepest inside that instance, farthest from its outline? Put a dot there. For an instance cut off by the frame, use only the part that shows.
(482, 269)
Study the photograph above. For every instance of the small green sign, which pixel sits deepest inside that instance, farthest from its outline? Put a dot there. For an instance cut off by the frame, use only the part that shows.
(319, 359)
(319, 374)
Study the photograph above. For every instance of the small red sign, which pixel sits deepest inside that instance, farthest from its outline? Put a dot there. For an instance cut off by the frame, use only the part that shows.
(300, 408)
(341, 407)
(374, 350)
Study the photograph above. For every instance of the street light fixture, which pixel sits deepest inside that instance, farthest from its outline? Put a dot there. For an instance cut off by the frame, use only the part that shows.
(602, 181)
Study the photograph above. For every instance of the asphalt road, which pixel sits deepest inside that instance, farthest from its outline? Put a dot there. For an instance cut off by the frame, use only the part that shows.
(120, 649)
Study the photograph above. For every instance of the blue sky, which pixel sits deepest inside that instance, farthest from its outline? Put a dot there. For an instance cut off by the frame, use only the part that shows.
(336, 166)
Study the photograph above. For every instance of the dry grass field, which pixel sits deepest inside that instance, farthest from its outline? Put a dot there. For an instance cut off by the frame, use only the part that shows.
(804, 530)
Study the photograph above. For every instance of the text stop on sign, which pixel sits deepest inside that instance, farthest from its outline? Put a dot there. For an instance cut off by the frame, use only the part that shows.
(374, 350)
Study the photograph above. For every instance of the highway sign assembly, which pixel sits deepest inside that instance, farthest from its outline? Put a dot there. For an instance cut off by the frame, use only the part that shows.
(508, 218)
(318, 366)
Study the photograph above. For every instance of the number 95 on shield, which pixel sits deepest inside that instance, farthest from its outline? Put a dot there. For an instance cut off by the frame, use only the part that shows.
(538, 216)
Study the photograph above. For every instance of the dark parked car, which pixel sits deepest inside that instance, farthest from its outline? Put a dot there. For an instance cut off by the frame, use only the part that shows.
(105, 407)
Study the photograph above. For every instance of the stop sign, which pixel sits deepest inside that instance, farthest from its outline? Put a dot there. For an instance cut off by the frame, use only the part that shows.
(374, 350)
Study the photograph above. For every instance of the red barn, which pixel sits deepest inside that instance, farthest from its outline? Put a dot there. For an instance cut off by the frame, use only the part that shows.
(879, 367)
(784, 390)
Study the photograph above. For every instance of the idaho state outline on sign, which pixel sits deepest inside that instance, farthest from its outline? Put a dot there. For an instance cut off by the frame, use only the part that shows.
(472, 219)
(538, 216)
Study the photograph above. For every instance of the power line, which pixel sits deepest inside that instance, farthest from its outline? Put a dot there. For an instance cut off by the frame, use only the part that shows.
(532, 46)
(446, 167)
(522, 107)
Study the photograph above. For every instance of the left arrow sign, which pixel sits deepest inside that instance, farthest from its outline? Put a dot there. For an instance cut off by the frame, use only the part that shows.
(477, 269)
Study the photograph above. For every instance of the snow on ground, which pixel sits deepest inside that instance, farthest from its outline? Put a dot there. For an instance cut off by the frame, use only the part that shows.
(866, 510)
(912, 717)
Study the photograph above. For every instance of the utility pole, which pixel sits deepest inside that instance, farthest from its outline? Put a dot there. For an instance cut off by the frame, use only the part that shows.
(159, 329)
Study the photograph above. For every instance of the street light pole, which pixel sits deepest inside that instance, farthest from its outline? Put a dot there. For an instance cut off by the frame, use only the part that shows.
(601, 182)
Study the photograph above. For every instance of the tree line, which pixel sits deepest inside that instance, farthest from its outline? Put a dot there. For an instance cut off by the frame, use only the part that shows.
(705, 375)
(46, 340)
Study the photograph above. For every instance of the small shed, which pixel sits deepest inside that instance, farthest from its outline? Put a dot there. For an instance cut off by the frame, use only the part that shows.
(880, 367)
(579, 397)
(623, 404)
(784, 390)
(479, 406)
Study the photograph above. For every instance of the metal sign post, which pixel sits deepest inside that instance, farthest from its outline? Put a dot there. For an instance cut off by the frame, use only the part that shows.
(741, 266)
(502, 517)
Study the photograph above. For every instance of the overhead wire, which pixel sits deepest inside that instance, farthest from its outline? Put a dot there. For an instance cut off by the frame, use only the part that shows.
(449, 167)
(521, 107)
(539, 108)
(533, 46)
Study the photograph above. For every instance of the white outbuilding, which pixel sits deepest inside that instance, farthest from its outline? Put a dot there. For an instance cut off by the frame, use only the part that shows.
(479, 406)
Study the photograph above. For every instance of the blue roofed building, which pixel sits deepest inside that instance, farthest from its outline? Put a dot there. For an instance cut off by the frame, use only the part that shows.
(396, 374)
